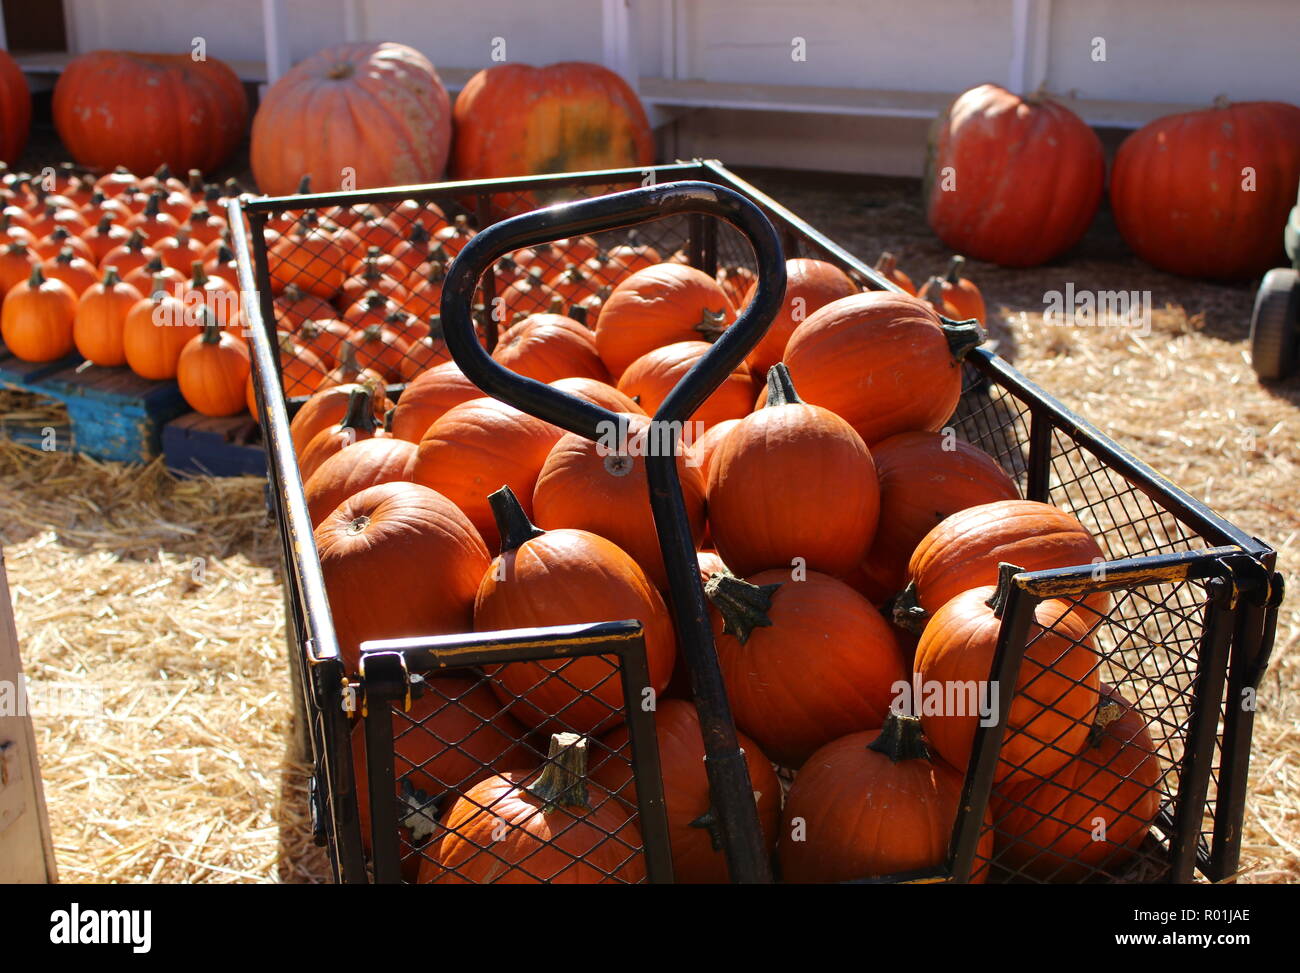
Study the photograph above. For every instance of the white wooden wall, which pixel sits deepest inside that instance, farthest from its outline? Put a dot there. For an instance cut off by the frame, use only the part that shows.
(719, 77)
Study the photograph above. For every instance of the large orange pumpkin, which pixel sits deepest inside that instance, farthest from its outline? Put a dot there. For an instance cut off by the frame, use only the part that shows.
(1055, 697)
(986, 195)
(924, 478)
(429, 396)
(552, 827)
(964, 550)
(1049, 829)
(650, 378)
(369, 548)
(792, 483)
(327, 408)
(810, 286)
(143, 110)
(882, 361)
(806, 659)
(370, 114)
(872, 804)
(1206, 193)
(357, 424)
(15, 109)
(520, 120)
(547, 347)
(598, 393)
(474, 448)
(353, 469)
(658, 306)
(692, 824)
(567, 577)
(602, 488)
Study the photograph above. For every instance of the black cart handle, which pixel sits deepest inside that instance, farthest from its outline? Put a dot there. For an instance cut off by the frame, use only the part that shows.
(601, 213)
(739, 832)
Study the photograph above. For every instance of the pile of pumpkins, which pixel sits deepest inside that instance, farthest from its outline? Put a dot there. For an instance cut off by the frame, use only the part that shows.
(125, 271)
(821, 484)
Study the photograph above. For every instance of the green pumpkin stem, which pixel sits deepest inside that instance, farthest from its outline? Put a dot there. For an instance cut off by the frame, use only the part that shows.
(1002, 593)
(780, 387)
(962, 337)
(906, 611)
(111, 277)
(211, 329)
(361, 411)
(512, 522)
(743, 606)
(37, 278)
(900, 739)
(955, 265)
(712, 324)
(563, 781)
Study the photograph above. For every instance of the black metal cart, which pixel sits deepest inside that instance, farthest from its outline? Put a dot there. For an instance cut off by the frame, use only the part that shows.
(1186, 639)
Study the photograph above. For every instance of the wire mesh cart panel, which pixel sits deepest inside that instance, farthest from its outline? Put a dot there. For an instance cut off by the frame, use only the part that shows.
(1167, 637)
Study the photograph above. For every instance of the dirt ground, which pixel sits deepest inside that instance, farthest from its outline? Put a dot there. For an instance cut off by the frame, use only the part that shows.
(166, 594)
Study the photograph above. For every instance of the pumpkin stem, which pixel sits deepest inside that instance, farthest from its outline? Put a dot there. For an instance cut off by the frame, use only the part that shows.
(780, 387)
(361, 412)
(304, 184)
(1109, 710)
(578, 313)
(998, 600)
(900, 739)
(105, 224)
(152, 208)
(198, 276)
(962, 337)
(66, 256)
(906, 610)
(224, 256)
(932, 293)
(712, 325)
(709, 821)
(136, 241)
(887, 263)
(419, 234)
(435, 327)
(743, 606)
(111, 278)
(37, 278)
(955, 266)
(557, 305)
(388, 420)
(563, 781)
(211, 330)
(512, 522)
(196, 182)
(162, 173)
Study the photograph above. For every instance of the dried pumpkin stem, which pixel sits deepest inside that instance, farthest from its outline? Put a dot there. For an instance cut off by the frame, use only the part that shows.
(780, 387)
(962, 337)
(955, 265)
(512, 522)
(361, 412)
(712, 324)
(901, 739)
(743, 606)
(563, 781)
(1002, 593)
(906, 610)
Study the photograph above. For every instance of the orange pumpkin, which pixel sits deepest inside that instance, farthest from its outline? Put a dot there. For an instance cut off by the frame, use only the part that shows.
(140, 110)
(566, 577)
(101, 318)
(1048, 829)
(428, 396)
(548, 347)
(327, 408)
(130, 255)
(354, 468)
(1056, 692)
(519, 120)
(358, 423)
(367, 547)
(38, 318)
(598, 393)
(212, 370)
(16, 263)
(475, 447)
(650, 378)
(602, 487)
(15, 109)
(550, 827)
(375, 111)
(659, 306)
(77, 272)
(312, 256)
(294, 308)
(869, 357)
(805, 660)
(792, 481)
(810, 286)
(692, 824)
(887, 267)
(870, 805)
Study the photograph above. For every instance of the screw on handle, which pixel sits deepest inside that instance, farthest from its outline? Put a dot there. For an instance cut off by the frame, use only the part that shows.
(729, 783)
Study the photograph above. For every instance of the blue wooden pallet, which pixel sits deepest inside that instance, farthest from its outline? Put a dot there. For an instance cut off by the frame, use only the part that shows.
(195, 445)
(112, 412)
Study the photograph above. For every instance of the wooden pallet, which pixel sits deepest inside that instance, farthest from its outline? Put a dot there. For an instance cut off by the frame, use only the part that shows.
(112, 413)
(195, 445)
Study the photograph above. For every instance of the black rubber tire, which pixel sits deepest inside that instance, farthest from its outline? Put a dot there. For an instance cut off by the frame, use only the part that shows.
(1275, 324)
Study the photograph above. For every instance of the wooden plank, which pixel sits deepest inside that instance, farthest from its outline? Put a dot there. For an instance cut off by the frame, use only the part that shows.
(206, 446)
(26, 851)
